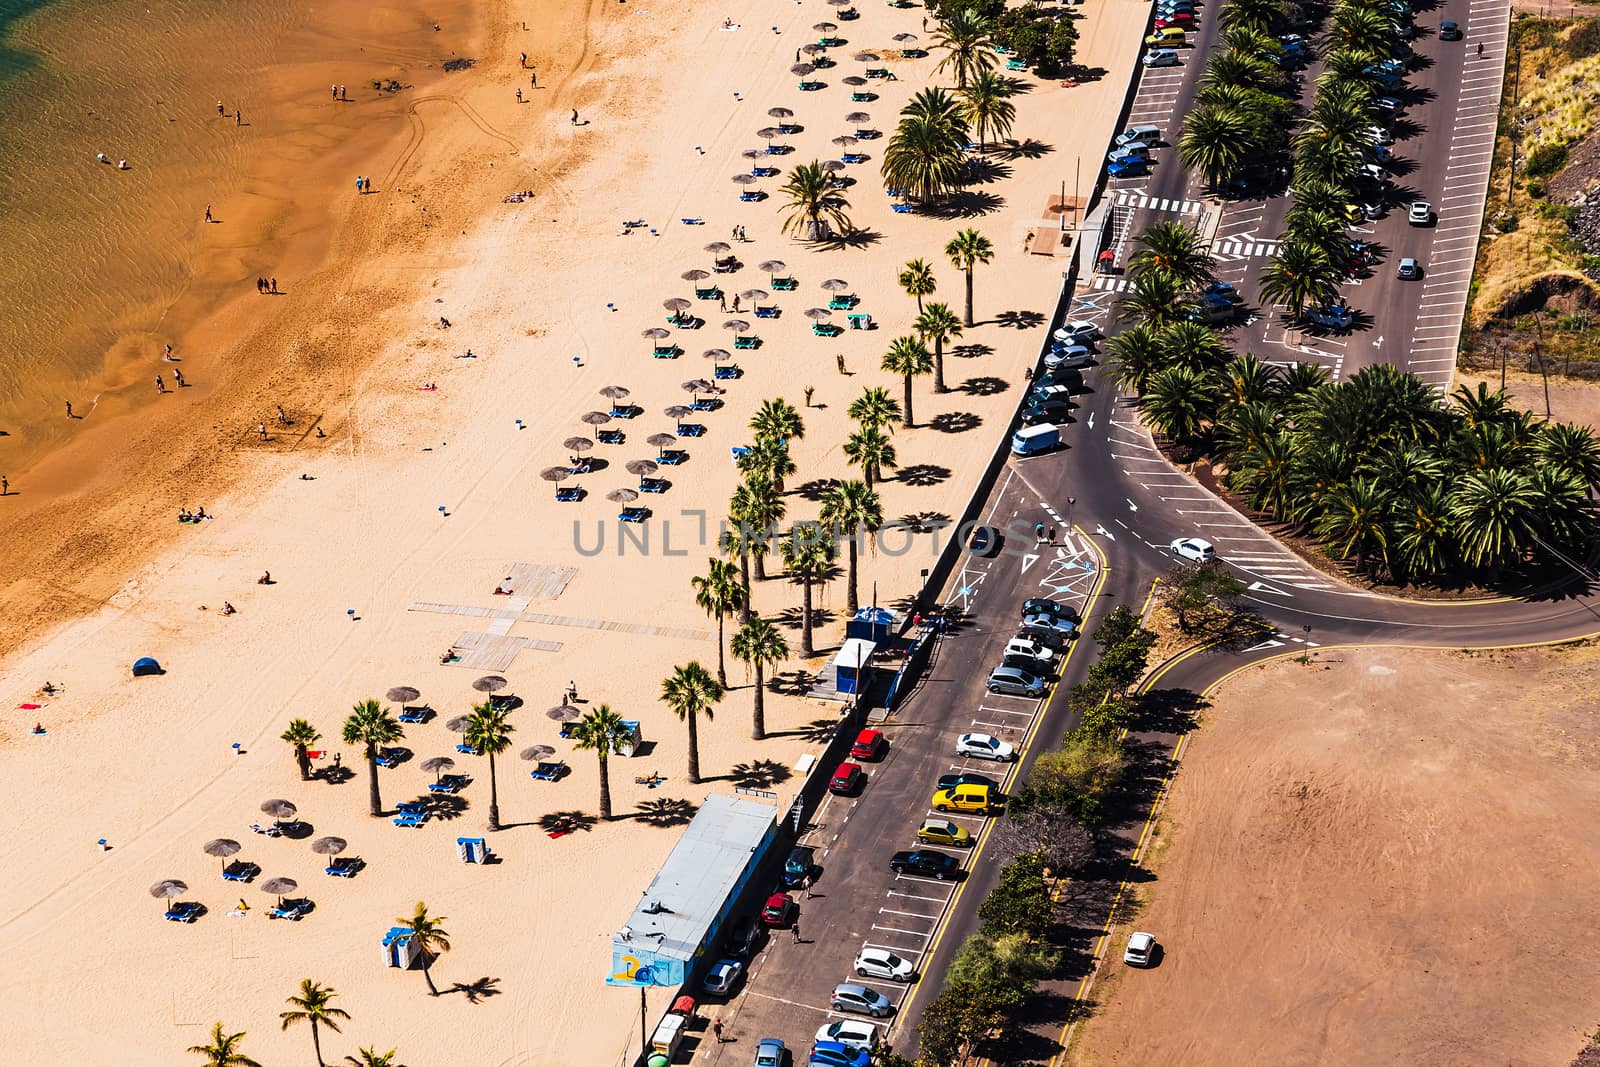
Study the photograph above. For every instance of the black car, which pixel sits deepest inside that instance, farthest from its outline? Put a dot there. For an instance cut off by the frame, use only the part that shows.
(746, 938)
(950, 781)
(1054, 608)
(1449, 31)
(1029, 664)
(1070, 377)
(983, 541)
(1049, 637)
(926, 863)
(801, 862)
(1049, 411)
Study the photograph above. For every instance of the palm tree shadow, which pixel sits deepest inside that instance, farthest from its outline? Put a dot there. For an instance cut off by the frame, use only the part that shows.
(923, 521)
(444, 806)
(815, 489)
(796, 683)
(759, 774)
(983, 386)
(568, 821)
(853, 239)
(983, 171)
(665, 812)
(955, 422)
(1028, 149)
(792, 618)
(1020, 320)
(816, 732)
(482, 989)
(967, 204)
(971, 350)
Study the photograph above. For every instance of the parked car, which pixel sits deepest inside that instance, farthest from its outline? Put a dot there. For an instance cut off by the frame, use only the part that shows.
(769, 1053)
(1082, 331)
(1161, 57)
(874, 962)
(801, 862)
(984, 540)
(1420, 213)
(1048, 636)
(1134, 153)
(985, 746)
(1183, 20)
(944, 832)
(847, 780)
(939, 865)
(1193, 549)
(1056, 609)
(869, 745)
(1223, 291)
(745, 938)
(1046, 393)
(1065, 628)
(1026, 663)
(1166, 37)
(1141, 946)
(1132, 168)
(837, 1054)
(779, 910)
(1034, 650)
(1069, 378)
(1408, 269)
(1332, 316)
(1449, 31)
(852, 1032)
(1373, 210)
(950, 781)
(1015, 682)
(1038, 414)
(847, 996)
(1068, 355)
(722, 977)
(967, 799)
(1144, 133)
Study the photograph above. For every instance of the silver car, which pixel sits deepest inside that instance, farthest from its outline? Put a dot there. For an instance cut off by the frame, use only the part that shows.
(1016, 682)
(847, 996)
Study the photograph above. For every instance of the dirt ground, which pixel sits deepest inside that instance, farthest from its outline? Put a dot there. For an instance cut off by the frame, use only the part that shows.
(1388, 857)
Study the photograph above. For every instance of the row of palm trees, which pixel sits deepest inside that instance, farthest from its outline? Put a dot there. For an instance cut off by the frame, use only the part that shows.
(1238, 124)
(926, 156)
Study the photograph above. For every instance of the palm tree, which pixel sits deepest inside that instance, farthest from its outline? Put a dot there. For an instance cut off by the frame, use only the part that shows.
(907, 357)
(601, 731)
(917, 279)
(1571, 448)
(757, 508)
(966, 250)
(808, 554)
(1260, 15)
(223, 1050)
(767, 458)
(1246, 380)
(1245, 71)
(688, 692)
(938, 324)
(1216, 142)
(923, 158)
(850, 507)
(429, 935)
(313, 1004)
(778, 420)
(759, 644)
(986, 105)
(964, 38)
(1426, 534)
(371, 726)
(719, 593)
(1495, 512)
(1249, 41)
(1176, 250)
(1151, 298)
(1266, 473)
(370, 1057)
(1299, 276)
(870, 449)
(814, 206)
(1178, 402)
(1191, 344)
(489, 732)
(1481, 407)
(1133, 356)
(1355, 519)
(875, 409)
(1360, 29)
(302, 735)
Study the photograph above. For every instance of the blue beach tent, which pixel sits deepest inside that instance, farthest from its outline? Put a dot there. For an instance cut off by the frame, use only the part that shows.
(146, 665)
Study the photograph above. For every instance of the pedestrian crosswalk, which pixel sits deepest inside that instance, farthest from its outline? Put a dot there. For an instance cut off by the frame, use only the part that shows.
(1134, 198)
(1227, 248)
(1109, 283)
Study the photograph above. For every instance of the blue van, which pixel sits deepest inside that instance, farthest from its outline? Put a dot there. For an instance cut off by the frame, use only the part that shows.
(1031, 440)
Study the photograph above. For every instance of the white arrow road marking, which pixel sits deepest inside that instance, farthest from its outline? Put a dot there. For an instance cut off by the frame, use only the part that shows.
(1263, 645)
(1103, 532)
(1091, 420)
(1262, 587)
(1028, 560)
(1131, 505)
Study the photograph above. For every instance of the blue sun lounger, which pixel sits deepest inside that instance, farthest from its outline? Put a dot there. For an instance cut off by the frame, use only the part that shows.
(692, 221)
(785, 285)
(410, 820)
(344, 866)
(416, 713)
(570, 494)
(666, 352)
(450, 783)
(290, 909)
(691, 429)
(625, 411)
(654, 485)
(633, 514)
(390, 757)
(185, 911)
(672, 457)
(713, 293)
(730, 371)
(750, 196)
(769, 312)
(548, 772)
(411, 807)
(611, 437)
(901, 209)
(466, 748)
(843, 303)
(747, 340)
(240, 871)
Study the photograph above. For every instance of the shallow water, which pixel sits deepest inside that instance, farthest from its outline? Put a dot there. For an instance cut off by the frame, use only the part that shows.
(94, 253)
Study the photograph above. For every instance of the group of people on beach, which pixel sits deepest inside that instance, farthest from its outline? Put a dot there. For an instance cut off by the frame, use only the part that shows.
(267, 285)
(338, 92)
(197, 515)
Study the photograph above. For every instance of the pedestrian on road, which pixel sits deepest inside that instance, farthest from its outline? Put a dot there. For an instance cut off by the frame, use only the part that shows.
(805, 886)
(795, 930)
(716, 1028)
(1038, 533)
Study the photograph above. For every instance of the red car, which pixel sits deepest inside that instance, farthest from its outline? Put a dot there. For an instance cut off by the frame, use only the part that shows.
(869, 745)
(847, 780)
(779, 911)
(1181, 20)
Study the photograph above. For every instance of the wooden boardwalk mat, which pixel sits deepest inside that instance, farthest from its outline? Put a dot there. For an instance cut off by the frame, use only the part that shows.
(536, 581)
(680, 632)
(494, 652)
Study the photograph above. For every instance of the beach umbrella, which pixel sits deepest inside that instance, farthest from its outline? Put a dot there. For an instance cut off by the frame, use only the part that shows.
(814, 49)
(769, 133)
(855, 81)
(662, 440)
(614, 392)
(168, 888)
(736, 325)
(840, 3)
(746, 180)
(832, 166)
(622, 496)
(824, 27)
(556, 474)
(818, 314)
(596, 419)
(655, 333)
(845, 141)
(676, 303)
(279, 809)
(577, 444)
(904, 38)
(698, 275)
(564, 713)
(756, 295)
(490, 683)
(677, 413)
(329, 846)
(836, 285)
(782, 114)
(772, 267)
(802, 69)
(867, 57)
(222, 847)
(717, 248)
(538, 752)
(642, 467)
(403, 694)
(277, 887)
(717, 355)
(457, 724)
(437, 764)
(859, 120)
(702, 386)
(752, 153)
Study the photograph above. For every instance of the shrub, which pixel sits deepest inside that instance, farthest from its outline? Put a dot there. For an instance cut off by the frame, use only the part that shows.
(1546, 159)
(1583, 39)
(1536, 190)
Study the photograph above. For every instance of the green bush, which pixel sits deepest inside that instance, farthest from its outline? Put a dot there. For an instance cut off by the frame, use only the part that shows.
(1584, 38)
(1536, 190)
(1546, 159)
(1505, 223)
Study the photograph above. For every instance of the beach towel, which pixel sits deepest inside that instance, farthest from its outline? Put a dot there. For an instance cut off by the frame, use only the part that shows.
(30, 707)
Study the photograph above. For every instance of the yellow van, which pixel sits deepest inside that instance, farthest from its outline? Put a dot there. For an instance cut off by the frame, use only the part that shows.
(1166, 37)
(973, 799)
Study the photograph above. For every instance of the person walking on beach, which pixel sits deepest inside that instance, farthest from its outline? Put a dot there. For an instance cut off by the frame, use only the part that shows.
(5, 485)
(342, 96)
(166, 357)
(208, 214)
(533, 80)
(70, 415)
(273, 284)
(333, 91)
(283, 420)
(519, 94)
(161, 386)
(574, 116)
(221, 110)
(177, 376)
(238, 118)
(261, 428)
(839, 359)
(524, 59)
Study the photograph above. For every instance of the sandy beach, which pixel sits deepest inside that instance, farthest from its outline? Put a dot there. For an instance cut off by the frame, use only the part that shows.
(386, 537)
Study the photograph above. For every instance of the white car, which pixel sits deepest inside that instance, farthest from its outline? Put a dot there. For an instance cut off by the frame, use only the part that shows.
(1161, 57)
(1421, 213)
(1141, 946)
(1022, 646)
(881, 963)
(982, 746)
(722, 977)
(1070, 356)
(1054, 623)
(853, 1033)
(1378, 135)
(1193, 549)
(1077, 332)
